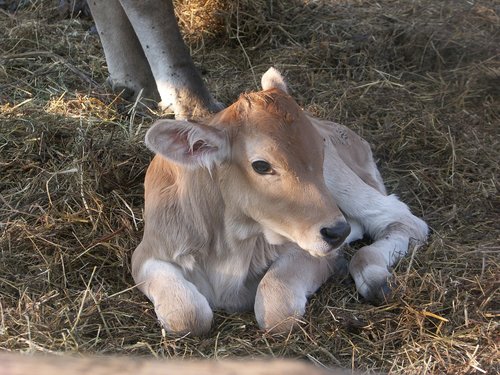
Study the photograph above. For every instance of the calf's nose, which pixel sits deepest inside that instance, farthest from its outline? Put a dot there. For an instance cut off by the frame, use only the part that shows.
(335, 235)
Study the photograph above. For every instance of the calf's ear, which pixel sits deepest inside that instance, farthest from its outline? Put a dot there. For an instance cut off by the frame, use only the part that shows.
(272, 79)
(188, 143)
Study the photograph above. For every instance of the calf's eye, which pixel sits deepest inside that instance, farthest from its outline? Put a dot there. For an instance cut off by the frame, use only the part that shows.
(262, 167)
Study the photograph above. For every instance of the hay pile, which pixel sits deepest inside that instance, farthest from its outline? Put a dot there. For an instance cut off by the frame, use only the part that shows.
(419, 80)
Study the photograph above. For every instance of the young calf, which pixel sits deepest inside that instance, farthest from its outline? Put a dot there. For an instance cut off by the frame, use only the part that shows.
(249, 210)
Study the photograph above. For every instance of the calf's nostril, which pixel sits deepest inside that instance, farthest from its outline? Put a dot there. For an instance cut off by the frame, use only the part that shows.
(337, 234)
(328, 233)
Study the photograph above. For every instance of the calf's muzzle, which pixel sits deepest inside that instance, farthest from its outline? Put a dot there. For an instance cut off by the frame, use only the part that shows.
(336, 234)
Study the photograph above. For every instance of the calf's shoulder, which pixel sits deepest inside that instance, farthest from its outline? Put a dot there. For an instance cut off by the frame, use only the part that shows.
(354, 151)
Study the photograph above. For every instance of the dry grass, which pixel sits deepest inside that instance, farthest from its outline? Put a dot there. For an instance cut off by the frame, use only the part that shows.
(419, 79)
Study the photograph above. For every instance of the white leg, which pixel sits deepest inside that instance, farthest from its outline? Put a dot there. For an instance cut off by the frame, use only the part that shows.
(180, 307)
(357, 231)
(369, 266)
(282, 293)
(384, 218)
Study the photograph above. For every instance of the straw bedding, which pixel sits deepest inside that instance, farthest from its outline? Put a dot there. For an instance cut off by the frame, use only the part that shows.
(418, 79)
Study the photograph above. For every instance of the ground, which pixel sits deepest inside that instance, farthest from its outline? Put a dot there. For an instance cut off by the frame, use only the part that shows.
(420, 80)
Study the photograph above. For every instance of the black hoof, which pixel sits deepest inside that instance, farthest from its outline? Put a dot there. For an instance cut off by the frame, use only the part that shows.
(340, 266)
(383, 294)
(125, 92)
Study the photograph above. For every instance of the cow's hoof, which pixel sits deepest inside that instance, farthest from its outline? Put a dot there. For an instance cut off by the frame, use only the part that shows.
(129, 90)
(121, 89)
(186, 113)
(166, 108)
(125, 92)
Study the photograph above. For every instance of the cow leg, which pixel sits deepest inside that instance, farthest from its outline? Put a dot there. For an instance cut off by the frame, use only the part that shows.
(127, 65)
(385, 219)
(179, 306)
(282, 293)
(178, 82)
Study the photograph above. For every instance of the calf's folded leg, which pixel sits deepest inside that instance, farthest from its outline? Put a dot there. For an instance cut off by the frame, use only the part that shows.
(369, 267)
(384, 218)
(282, 293)
(179, 306)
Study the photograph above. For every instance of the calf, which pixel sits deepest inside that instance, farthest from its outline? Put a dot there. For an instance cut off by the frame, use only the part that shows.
(250, 208)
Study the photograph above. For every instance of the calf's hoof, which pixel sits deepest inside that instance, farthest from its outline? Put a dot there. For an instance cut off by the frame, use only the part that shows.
(373, 283)
(192, 320)
(383, 293)
(340, 266)
(278, 310)
(283, 327)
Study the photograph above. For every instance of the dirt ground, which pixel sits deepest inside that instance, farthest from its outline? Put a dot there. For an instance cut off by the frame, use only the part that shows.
(420, 80)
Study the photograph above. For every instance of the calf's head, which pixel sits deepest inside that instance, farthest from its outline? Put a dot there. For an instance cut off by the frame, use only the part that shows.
(267, 158)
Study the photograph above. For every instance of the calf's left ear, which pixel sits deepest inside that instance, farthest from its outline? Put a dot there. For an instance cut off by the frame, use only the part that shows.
(188, 143)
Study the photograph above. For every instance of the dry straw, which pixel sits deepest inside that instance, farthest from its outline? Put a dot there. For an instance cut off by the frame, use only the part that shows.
(418, 79)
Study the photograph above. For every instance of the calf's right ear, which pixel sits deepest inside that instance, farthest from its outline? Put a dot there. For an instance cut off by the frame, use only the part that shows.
(189, 143)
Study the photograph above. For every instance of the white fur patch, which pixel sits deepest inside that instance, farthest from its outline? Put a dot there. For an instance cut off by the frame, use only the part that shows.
(272, 79)
(273, 238)
(357, 232)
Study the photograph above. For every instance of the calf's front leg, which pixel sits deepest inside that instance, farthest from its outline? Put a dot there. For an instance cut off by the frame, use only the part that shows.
(369, 266)
(282, 293)
(179, 306)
